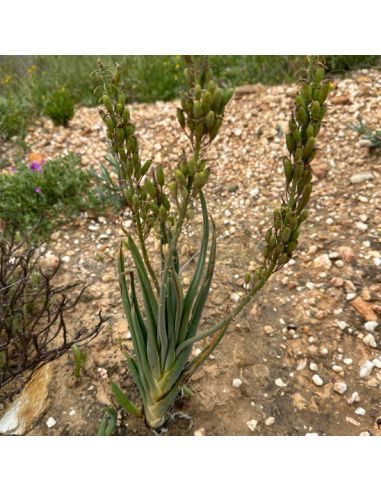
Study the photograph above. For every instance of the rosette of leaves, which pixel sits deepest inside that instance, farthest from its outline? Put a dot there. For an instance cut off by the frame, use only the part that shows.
(33, 312)
(163, 315)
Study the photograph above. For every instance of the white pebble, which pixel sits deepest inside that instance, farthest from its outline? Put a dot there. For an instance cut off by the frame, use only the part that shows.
(65, 259)
(369, 340)
(235, 297)
(361, 226)
(329, 221)
(370, 326)
(316, 379)
(72, 412)
(354, 398)
(313, 366)
(360, 411)
(340, 388)
(366, 369)
(252, 424)
(237, 383)
(51, 422)
(270, 421)
(199, 432)
(280, 383)
(350, 296)
(348, 361)
(336, 368)
(377, 363)
(377, 261)
(341, 324)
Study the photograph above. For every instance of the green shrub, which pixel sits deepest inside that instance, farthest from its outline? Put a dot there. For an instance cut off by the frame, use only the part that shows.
(44, 194)
(60, 107)
(13, 116)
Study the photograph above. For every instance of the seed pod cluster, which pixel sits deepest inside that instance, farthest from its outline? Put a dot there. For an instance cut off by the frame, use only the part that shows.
(203, 105)
(143, 190)
(304, 126)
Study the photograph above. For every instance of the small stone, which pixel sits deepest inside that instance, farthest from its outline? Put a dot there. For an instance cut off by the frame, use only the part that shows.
(65, 259)
(316, 379)
(339, 263)
(199, 432)
(366, 369)
(340, 388)
(329, 221)
(324, 351)
(107, 278)
(341, 324)
(361, 226)
(348, 361)
(377, 261)
(336, 368)
(355, 398)
(360, 411)
(51, 422)
(377, 363)
(72, 412)
(370, 341)
(313, 366)
(235, 297)
(347, 254)
(337, 282)
(280, 383)
(270, 421)
(268, 329)
(350, 296)
(371, 326)
(360, 177)
(364, 433)
(237, 383)
(252, 424)
(254, 192)
(322, 262)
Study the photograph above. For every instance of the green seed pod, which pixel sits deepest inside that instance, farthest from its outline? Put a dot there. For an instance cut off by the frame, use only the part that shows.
(317, 127)
(128, 196)
(154, 207)
(180, 177)
(322, 112)
(268, 235)
(310, 131)
(120, 135)
(188, 76)
(197, 92)
(315, 110)
(180, 117)
(163, 214)
(210, 119)
(227, 95)
(173, 188)
(290, 143)
(146, 166)
(119, 108)
(292, 246)
(200, 179)
(272, 242)
(117, 73)
(301, 116)
(266, 252)
(247, 278)
(303, 216)
(165, 201)
(299, 154)
(217, 99)
(295, 234)
(298, 171)
(283, 259)
(206, 100)
(324, 91)
(160, 175)
(110, 134)
(316, 93)
(184, 168)
(122, 154)
(292, 124)
(309, 147)
(305, 197)
(132, 144)
(296, 135)
(286, 234)
(125, 115)
(186, 104)
(311, 157)
(110, 124)
(129, 130)
(299, 100)
(143, 196)
(150, 187)
(129, 168)
(107, 103)
(212, 86)
(201, 165)
(121, 98)
(319, 75)
(200, 129)
(287, 166)
(197, 110)
(306, 91)
(278, 250)
(192, 167)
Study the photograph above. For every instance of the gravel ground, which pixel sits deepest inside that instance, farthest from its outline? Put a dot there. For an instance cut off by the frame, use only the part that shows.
(305, 358)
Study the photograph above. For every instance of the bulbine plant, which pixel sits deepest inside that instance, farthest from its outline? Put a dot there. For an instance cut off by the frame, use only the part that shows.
(163, 315)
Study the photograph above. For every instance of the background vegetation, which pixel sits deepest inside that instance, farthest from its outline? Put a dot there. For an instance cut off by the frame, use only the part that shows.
(28, 83)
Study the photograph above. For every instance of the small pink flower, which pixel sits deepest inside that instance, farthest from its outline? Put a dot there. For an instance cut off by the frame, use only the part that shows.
(37, 190)
(13, 170)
